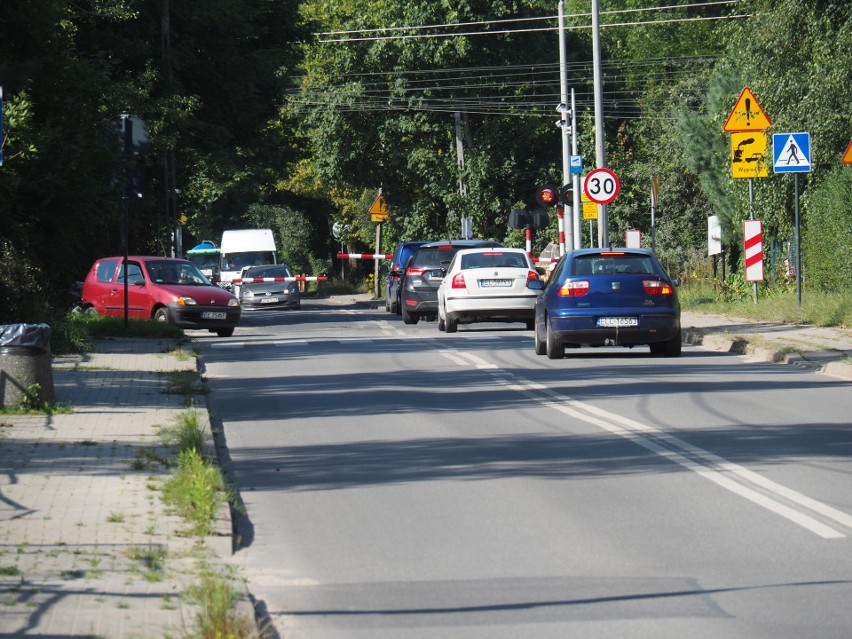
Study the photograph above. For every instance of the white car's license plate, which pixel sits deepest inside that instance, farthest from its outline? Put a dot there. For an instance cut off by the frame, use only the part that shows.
(269, 300)
(210, 315)
(495, 283)
(610, 322)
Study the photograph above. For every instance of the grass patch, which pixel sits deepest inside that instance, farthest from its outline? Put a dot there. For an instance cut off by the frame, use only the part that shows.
(33, 404)
(217, 617)
(182, 355)
(185, 432)
(773, 305)
(9, 571)
(76, 332)
(196, 490)
(116, 518)
(187, 383)
(152, 557)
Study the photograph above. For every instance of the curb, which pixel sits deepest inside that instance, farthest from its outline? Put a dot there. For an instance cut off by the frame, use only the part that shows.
(825, 363)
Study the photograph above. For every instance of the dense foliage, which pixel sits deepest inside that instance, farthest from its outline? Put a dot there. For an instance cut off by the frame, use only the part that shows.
(293, 115)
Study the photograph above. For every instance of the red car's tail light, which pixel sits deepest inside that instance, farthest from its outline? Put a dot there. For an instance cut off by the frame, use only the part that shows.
(656, 287)
(576, 288)
(532, 276)
(458, 281)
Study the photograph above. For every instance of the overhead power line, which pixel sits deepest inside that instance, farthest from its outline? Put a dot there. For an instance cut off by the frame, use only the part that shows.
(402, 36)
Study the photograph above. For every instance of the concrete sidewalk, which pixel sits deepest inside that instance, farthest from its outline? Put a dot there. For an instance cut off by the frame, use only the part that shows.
(820, 349)
(88, 546)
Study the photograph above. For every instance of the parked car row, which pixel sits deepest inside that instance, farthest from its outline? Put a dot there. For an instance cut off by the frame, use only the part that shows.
(592, 297)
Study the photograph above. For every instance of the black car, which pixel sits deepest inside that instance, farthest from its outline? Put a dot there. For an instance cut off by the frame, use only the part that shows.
(424, 273)
(400, 256)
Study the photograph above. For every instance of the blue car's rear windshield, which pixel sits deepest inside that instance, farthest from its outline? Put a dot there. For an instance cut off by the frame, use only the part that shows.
(613, 264)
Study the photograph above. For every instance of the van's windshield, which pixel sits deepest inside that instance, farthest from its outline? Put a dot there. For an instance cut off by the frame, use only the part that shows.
(238, 261)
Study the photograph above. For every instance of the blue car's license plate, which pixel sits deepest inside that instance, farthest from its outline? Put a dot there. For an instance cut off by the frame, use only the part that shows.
(617, 322)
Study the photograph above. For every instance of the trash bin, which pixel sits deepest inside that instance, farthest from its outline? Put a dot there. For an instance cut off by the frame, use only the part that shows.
(24, 363)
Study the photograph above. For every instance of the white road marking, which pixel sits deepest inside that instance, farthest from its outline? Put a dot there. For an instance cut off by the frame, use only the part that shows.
(728, 475)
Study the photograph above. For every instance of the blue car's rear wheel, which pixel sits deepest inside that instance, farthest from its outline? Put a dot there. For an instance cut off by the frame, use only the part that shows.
(554, 348)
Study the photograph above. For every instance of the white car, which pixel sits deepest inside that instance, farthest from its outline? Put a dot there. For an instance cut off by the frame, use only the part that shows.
(487, 285)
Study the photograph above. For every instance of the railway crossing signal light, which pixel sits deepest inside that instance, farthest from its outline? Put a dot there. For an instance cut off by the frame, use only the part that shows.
(547, 196)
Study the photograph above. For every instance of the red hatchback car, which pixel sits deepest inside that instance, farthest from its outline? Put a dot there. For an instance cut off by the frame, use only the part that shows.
(163, 289)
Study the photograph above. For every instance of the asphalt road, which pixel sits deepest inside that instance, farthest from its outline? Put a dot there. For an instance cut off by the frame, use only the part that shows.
(400, 482)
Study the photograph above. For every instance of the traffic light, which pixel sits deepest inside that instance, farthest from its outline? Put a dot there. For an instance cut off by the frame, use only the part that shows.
(539, 219)
(566, 195)
(518, 218)
(547, 196)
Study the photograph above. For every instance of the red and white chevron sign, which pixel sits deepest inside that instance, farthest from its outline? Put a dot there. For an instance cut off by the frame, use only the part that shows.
(753, 249)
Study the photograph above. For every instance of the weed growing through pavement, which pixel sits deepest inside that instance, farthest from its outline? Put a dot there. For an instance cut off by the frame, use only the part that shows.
(185, 432)
(186, 383)
(197, 490)
(115, 518)
(152, 556)
(32, 403)
(181, 354)
(217, 617)
(147, 456)
(9, 571)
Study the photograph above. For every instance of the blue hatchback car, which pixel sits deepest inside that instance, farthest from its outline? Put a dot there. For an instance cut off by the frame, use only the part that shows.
(607, 297)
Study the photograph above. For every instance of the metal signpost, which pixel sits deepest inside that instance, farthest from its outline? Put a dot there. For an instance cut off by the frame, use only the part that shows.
(791, 153)
(747, 123)
(133, 142)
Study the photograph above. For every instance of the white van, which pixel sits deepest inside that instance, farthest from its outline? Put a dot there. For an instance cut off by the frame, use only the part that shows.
(246, 247)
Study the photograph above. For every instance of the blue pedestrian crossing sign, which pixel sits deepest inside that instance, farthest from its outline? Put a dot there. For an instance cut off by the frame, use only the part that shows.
(791, 152)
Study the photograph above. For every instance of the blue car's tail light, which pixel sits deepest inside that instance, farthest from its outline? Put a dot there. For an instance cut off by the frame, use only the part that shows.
(656, 287)
(574, 288)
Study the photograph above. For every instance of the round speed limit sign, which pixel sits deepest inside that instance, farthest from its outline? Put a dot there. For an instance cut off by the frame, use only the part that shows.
(601, 186)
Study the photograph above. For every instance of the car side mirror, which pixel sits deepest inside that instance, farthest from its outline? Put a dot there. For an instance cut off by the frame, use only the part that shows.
(535, 285)
(675, 281)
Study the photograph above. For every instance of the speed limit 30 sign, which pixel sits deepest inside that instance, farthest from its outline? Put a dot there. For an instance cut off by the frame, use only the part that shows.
(601, 186)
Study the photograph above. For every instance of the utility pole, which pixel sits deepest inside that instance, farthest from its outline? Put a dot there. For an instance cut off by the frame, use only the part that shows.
(600, 156)
(566, 230)
(577, 204)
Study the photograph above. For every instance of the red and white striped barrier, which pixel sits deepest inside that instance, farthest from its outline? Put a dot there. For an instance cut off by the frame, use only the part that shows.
(753, 250)
(242, 280)
(365, 256)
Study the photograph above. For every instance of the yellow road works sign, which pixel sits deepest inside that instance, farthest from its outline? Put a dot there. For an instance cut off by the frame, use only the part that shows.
(590, 209)
(748, 155)
(379, 210)
(847, 156)
(747, 115)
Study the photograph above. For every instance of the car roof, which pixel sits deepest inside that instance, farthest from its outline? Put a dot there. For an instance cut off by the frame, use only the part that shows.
(614, 249)
(488, 249)
(463, 243)
(143, 258)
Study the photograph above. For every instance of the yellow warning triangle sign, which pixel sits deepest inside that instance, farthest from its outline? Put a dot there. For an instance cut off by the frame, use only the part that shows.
(847, 156)
(747, 115)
